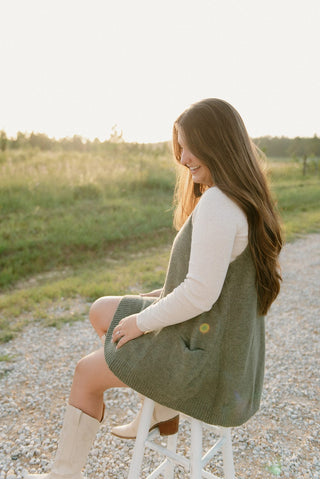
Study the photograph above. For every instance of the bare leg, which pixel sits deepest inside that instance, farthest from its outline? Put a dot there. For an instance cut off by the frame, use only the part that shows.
(91, 378)
(101, 313)
(83, 415)
(85, 409)
(92, 375)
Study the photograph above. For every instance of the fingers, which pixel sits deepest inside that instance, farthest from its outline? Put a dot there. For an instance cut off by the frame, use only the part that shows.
(154, 294)
(149, 295)
(122, 341)
(122, 329)
(125, 331)
(117, 334)
(120, 337)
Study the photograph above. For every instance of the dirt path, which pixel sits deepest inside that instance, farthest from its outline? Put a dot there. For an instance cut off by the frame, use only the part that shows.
(281, 440)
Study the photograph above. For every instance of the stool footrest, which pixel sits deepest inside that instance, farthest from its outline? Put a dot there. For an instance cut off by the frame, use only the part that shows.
(159, 470)
(213, 451)
(194, 465)
(209, 475)
(173, 456)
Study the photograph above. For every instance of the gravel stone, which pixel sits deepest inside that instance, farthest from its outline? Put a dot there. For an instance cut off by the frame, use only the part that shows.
(281, 440)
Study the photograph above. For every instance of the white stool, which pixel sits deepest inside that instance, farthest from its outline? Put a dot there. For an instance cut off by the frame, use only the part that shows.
(195, 465)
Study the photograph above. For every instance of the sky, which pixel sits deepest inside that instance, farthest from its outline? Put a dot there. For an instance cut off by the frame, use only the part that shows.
(81, 66)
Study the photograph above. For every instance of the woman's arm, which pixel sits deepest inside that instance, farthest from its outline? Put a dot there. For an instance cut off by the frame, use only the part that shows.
(216, 222)
(220, 233)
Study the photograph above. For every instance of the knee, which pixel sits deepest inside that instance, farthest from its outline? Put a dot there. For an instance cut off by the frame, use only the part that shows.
(82, 368)
(83, 378)
(102, 310)
(95, 312)
(89, 374)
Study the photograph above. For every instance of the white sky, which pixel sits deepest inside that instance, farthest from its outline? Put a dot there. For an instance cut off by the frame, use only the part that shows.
(80, 66)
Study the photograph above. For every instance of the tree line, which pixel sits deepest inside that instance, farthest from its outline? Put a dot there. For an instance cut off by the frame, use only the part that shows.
(282, 147)
(42, 142)
(298, 147)
(306, 150)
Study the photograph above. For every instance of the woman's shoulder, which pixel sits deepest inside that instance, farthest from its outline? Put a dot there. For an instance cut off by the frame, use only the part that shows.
(215, 202)
(213, 193)
(215, 197)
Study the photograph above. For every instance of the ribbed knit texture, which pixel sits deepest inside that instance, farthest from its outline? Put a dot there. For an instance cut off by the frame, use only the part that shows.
(210, 367)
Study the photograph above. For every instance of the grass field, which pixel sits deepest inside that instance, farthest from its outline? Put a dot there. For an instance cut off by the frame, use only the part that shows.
(298, 197)
(75, 226)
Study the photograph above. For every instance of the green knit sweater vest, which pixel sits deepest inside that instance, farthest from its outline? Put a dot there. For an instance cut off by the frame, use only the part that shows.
(210, 367)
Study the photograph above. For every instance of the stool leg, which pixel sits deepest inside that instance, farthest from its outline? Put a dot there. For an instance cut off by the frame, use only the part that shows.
(142, 434)
(228, 466)
(196, 449)
(171, 446)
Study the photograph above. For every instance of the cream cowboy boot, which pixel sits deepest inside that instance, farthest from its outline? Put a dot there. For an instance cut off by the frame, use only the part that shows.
(167, 420)
(77, 435)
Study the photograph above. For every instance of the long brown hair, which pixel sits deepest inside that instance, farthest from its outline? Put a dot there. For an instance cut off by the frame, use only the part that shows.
(216, 135)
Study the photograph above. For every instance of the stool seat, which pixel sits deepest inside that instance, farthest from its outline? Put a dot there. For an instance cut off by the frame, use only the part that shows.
(195, 464)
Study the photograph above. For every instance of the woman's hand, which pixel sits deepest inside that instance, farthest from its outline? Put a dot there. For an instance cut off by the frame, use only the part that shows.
(155, 293)
(126, 330)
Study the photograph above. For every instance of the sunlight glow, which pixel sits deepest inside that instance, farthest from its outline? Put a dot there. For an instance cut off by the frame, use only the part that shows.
(80, 67)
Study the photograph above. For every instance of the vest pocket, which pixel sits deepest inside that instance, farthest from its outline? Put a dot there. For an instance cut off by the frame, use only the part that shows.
(187, 372)
(189, 347)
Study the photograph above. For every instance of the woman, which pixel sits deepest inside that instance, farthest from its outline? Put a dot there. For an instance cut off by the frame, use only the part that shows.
(199, 347)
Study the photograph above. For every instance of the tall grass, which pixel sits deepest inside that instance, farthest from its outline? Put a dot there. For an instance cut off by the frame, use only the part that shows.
(63, 209)
(298, 197)
(75, 226)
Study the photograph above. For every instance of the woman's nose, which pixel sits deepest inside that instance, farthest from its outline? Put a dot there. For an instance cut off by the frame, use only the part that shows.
(183, 158)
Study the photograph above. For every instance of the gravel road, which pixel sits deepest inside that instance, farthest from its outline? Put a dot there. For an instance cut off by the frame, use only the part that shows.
(281, 440)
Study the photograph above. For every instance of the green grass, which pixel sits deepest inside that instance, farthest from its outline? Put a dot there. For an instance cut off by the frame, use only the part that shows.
(6, 358)
(298, 198)
(76, 226)
(65, 296)
(61, 210)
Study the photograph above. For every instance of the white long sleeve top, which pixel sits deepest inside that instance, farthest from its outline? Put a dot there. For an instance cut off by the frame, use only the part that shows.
(219, 235)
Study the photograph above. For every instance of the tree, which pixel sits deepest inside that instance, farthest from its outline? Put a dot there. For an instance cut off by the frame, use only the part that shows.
(3, 140)
(116, 135)
(305, 148)
(77, 143)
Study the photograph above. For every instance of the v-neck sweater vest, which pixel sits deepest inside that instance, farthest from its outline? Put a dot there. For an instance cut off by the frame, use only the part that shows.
(210, 367)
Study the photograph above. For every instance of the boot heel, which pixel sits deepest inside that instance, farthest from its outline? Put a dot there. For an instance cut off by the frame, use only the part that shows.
(167, 428)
